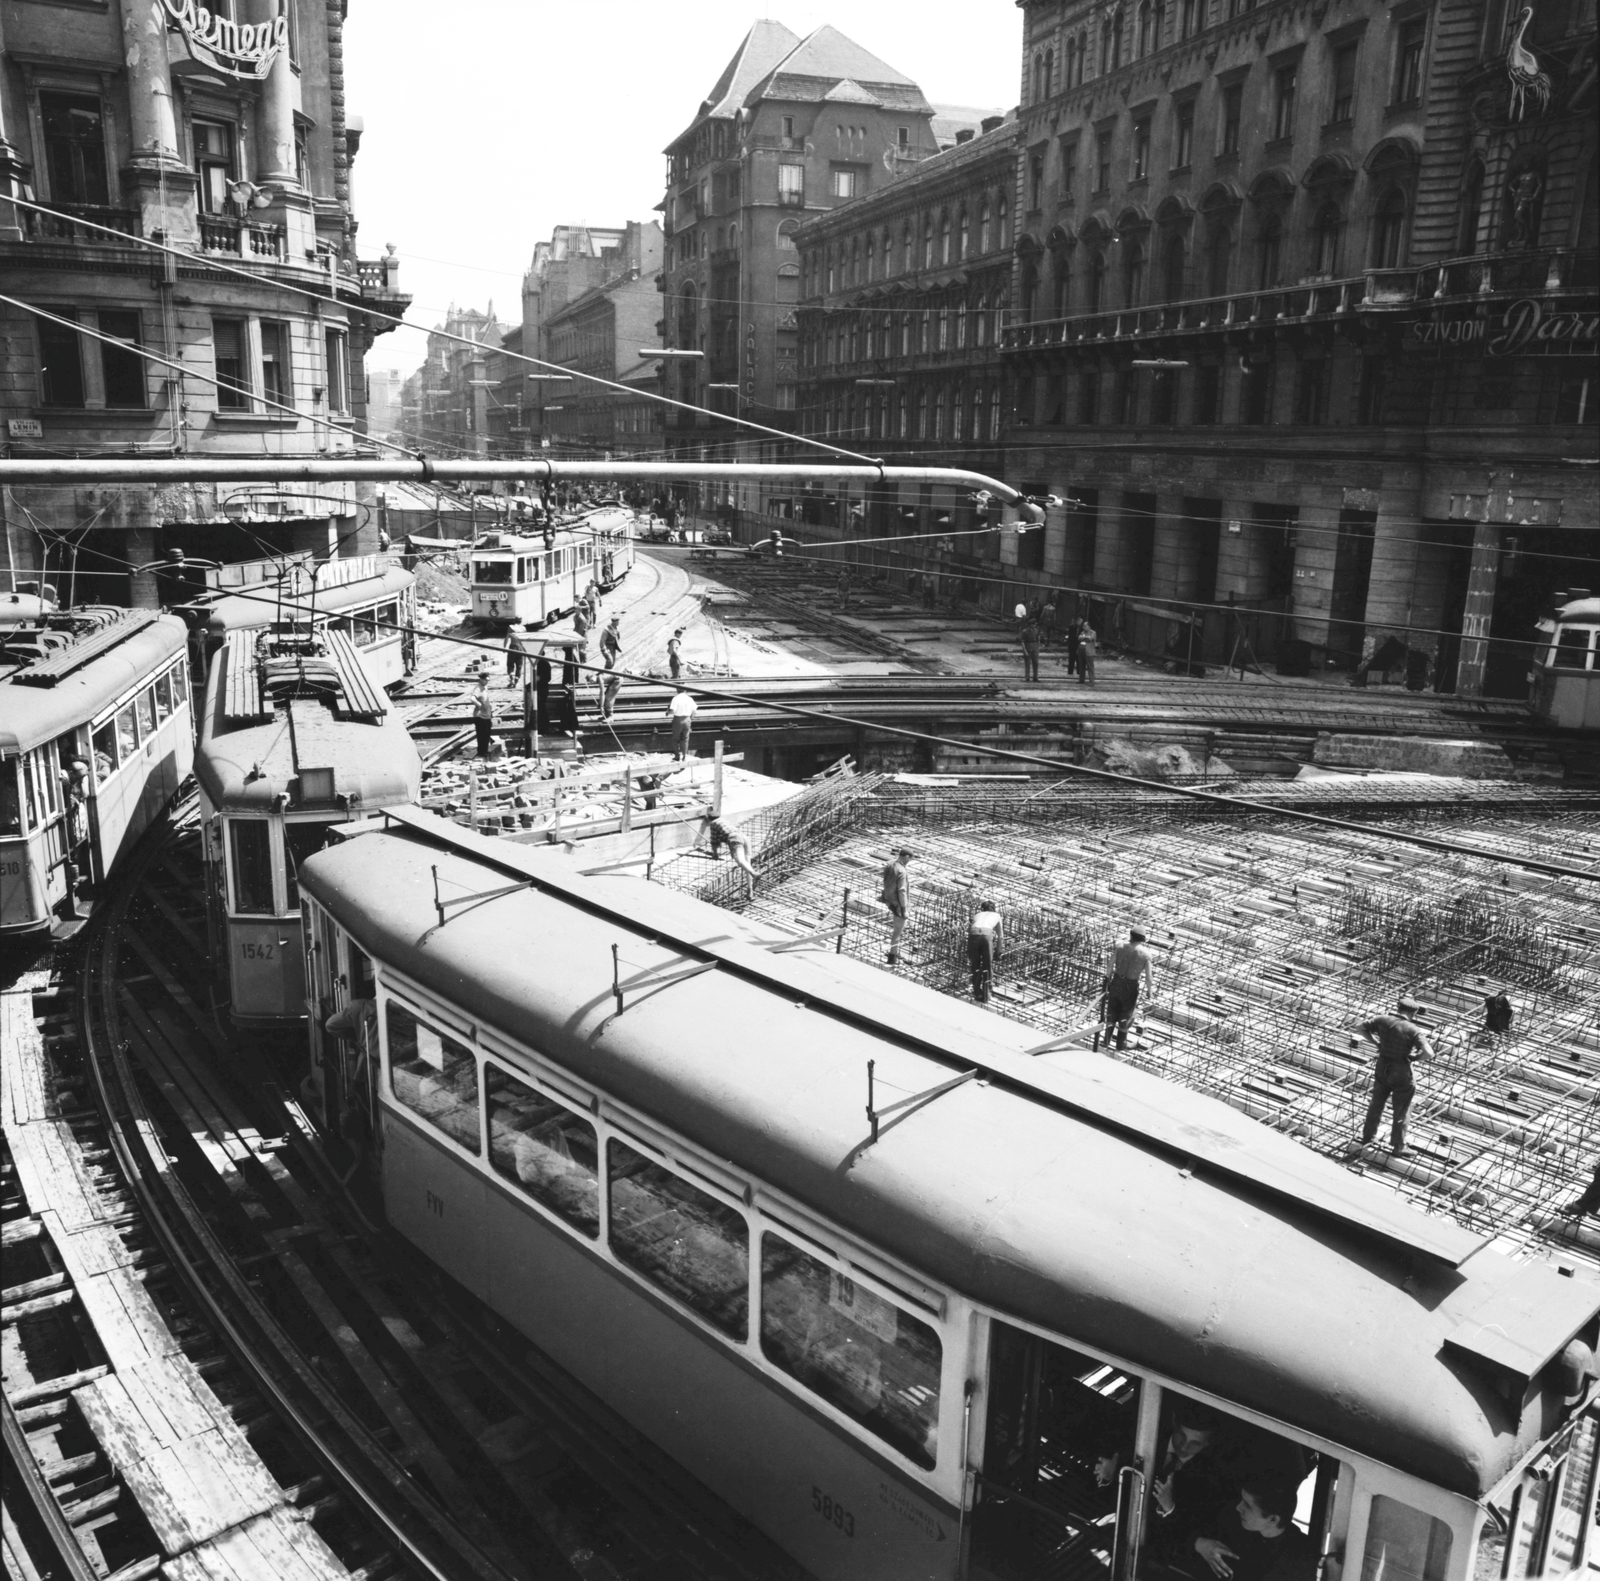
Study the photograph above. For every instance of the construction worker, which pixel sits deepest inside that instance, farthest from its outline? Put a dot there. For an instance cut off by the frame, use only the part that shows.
(1086, 647)
(675, 653)
(983, 948)
(896, 895)
(738, 844)
(1400, 1041)
(1130, 970)
(611, 642)
(1029, 637)
(483, 716)
(681, 712)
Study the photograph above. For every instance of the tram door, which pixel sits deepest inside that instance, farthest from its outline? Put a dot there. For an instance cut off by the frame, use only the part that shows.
(1058, 1458)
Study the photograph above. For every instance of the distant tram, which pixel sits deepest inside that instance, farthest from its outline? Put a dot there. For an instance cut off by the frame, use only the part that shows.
(1566, 664)
(296, 736)
(961, 1337)
(96, 735)
(539, 578)
(372, 602)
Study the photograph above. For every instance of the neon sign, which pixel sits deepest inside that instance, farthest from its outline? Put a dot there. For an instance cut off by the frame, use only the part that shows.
(240, 49)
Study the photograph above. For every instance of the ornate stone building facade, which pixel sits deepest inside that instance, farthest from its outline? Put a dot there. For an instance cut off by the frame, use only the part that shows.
(1306, 320)
(223, 135)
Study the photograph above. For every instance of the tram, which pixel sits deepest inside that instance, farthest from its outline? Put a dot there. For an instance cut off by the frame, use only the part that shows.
(372, 602)
(96, 735)
(1566, 664)
(296, 735)
(533, 580)
(957, 1336)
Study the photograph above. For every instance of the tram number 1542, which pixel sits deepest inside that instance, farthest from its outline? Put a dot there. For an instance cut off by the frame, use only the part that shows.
(257, 952)
(830, 1509)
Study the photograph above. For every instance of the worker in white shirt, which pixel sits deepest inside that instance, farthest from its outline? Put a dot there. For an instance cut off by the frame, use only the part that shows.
(983, 948)
(681, 712)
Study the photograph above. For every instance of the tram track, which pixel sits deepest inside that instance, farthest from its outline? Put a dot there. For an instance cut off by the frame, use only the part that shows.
(383, 1419)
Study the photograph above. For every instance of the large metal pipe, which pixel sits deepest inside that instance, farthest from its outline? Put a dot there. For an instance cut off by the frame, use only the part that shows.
(400, 469)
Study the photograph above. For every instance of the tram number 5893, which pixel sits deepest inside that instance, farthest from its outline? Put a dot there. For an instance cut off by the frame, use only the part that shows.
(830, 1509)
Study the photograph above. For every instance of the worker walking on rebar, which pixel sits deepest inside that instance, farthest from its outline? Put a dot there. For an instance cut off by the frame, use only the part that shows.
(738, 844)
(984, 935)
(896, 894)
(1131, 969)
(1400, 1041)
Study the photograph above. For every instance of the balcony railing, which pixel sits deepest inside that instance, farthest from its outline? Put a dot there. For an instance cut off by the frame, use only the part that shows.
(1319, 300)
(62, 223)
(222, 234)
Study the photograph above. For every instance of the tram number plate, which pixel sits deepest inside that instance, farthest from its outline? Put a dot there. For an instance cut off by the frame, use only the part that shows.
(11, 869)
(832, 1511)
(256, 952)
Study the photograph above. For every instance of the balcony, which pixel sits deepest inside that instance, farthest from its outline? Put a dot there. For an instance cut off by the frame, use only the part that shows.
(1323, 301)
(222, 234)
(62, 224)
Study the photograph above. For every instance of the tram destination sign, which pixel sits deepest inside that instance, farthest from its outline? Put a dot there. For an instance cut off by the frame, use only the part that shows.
(1527, 328)
(238, 49)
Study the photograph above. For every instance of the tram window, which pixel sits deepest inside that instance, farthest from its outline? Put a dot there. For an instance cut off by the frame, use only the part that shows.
(680, 1238)
(250, 840)
(388, 617)
(300, 840)
(163, 696)
(180, 686)
(10, 799)
(1404, 1544)
(866, 1356)
(106, 757)
(544, 1148)
(365, 632)
(549, 566)
(432, 1074)
(1572, 648)
(127, 733)
(145, 706)
(493, 572)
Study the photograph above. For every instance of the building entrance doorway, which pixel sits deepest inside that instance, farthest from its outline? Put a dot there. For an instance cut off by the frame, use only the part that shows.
(1352, 576)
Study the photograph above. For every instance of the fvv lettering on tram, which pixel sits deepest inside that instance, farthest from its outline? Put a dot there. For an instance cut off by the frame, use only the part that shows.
(897, 1502)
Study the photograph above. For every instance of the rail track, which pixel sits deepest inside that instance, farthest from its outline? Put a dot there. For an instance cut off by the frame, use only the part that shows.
(216, 1355)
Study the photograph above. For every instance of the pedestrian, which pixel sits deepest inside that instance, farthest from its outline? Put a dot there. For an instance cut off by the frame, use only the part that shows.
(515, 654)
(930, 591)
(896, 894)
(675, 653)
(483, 716)
(582, 620)
(541, 694)
(1130, 970)
(1047, 621)
(844, 588)
(610, 685)
(611, 642)
(1086, 647)
(738, 844)
(1072, 647)
(1400, 1041)
(569, 667)
(1029, 637)
(983, 948)
(681, 712)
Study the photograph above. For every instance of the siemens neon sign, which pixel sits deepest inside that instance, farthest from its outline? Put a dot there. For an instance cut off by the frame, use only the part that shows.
(240, 49)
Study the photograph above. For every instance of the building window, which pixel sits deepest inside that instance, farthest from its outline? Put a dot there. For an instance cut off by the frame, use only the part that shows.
(1207, 393)
(994, 412)
(1344, 85)
(1069, 168)
(1069, 74)
(1141, 150)
(60, 361)
(1326, 233)
(1035, 179)
(1471, 208)
(1174, 266)
(944, 238)
(1232, 113)
(1283, 111)
(1097, 283)
(1127, 394)
(923, 329)
(788, 128)
(1133, 275)
(74, 148)
(228, 339)
(1102, 162)
(121, 367)
(1164, 397)
(1255, 394)
(963, 235)
(844, 183)
(1149, 28)
(922, 415)
(983, 227)
(1408, 61)
(980, 324)
(1269, 253)
(337, 344)
(213, 163)
(1388, 231)
(1219, 256)
(1183, 136)
(275, 385)
(927, 243)
(902, 138)
(938, 415)
(1191, 18)
(1089, 396)
(1311, 393)
(1111, 43)
(792, 185)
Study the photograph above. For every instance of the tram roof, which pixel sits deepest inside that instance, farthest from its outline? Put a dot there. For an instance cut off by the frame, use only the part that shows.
(39, 701)
(1070, 1191)
(240, 611)
(253, 749)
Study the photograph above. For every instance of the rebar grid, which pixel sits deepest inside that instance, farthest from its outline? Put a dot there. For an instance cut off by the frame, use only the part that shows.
(1273, 943)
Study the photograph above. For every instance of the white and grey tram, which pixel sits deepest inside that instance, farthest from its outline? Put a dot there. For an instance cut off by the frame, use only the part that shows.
(296, 736)
(96, 736)
(534, 579)
(371, 602)
(954, 1340)
(1566, 664)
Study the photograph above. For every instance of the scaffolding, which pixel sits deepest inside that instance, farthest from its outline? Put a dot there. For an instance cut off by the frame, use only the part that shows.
(1273, 942)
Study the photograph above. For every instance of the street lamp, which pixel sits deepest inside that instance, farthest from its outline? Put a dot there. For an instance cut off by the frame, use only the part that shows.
(1160, 362)
(878, 382)
(668, 351)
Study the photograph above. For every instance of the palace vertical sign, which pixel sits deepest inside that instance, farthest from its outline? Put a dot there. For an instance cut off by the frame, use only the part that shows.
(238, 49)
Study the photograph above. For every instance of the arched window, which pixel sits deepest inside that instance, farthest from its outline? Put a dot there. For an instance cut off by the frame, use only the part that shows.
(944, 329)
(927, 243)
(922, 415)
(963, 236)
(855, 340)
(830, 269)
(944, 238)
(1389, 230)
(957, 407)
(1111, 42)
(938, 415)
(961, 326)
(871, 260)
(994, 412)
(1269, 253)
(1030, 288)
(850, 414)
(904, 417)
(977, 411)
(1070, 71)
(1097, 284)
(883, 416)
(983, 227)
(924, 330)
(1149, 28)
(1049, 73)
(855, 262)
(905, 334)
(1174, 266)
(1082, 59)
(1038, 78)
(1004, 238)
(1133, 275)
(1327, 230)
(1219, 255)
(980, 324)
(1471, 210)
(1062, 274)
(905, 249)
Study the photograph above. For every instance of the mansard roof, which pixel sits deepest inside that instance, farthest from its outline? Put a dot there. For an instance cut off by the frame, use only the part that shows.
(826, 58)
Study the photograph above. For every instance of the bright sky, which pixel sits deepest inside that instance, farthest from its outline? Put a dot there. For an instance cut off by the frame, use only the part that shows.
(490, 122)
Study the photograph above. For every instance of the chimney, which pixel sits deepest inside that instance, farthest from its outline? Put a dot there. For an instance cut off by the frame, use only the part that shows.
(965, 135)
(992, 121)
